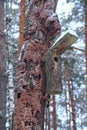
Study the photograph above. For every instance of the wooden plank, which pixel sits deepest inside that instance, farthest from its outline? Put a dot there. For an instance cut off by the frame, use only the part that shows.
(64, 41)
(53, 73)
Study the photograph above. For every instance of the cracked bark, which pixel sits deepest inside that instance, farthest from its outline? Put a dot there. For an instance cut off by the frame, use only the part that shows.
(30, 97)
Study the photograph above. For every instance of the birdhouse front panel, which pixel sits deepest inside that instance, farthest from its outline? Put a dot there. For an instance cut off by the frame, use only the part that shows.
(53, 73)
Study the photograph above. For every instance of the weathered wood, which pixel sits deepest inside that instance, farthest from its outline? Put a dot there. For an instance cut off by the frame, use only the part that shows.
(53, 73)
(64, 41)
(53, 62)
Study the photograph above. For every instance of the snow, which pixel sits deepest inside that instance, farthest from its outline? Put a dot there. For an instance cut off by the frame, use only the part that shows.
(64, 7)
(64, 11)
(76, 25)
(15, 6)
(72, 33)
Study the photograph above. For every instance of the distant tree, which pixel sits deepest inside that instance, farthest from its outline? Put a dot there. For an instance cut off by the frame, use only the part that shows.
(54, 113)
(11, 29)
(2, 70)
(48, 119)
(85, 10)
(72, 101)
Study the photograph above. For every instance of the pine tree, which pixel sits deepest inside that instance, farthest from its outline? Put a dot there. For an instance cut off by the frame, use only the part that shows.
(54, 113)
(30, 97)
(22, 22)
(72, 101)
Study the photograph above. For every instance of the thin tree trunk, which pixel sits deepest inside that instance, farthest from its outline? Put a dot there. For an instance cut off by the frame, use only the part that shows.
(85, 10)
(72, 105)
(70, 116)
(47, 118)
(48, 121)
(22, 22)
(67, 74)
(2, 70)
(67, 109)
(30, 95)
(54, 113)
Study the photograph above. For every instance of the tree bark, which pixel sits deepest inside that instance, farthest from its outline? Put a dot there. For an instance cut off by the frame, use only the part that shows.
(2, 70)
(30, 96)
(22, 22)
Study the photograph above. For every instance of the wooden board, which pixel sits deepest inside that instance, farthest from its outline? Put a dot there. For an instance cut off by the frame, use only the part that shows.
(64, 41)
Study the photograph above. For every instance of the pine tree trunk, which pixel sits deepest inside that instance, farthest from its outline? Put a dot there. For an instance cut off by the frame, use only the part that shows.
(2, 70)
(72, 105)
(22, 22)
(54, 113)
(30, 96)
(67, 74)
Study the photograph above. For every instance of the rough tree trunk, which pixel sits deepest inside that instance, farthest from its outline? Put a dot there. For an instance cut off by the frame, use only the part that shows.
(2, 70)
(30, 96)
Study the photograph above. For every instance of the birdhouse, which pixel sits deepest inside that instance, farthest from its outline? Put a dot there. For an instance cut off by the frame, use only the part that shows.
(53, 62)
(53, 73)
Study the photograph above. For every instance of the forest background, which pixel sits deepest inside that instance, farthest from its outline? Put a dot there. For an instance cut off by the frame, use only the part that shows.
(72, 17)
